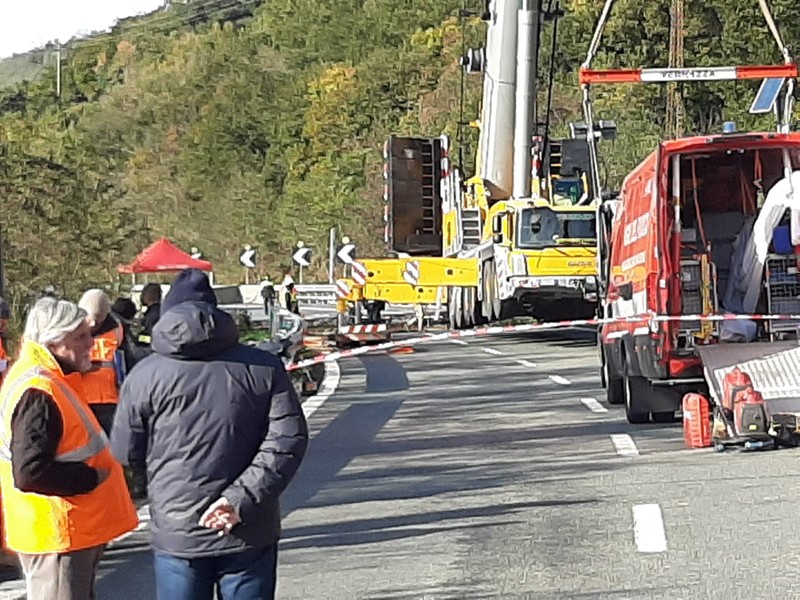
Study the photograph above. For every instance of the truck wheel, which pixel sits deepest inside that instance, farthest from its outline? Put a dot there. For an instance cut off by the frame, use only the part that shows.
(486, 305)
(477, 309)
(635, 388)
(470, 297)
(615, 387)
(458, 309)
(451, 306)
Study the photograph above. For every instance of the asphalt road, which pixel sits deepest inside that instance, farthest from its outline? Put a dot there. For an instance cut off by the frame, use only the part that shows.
(492, 468)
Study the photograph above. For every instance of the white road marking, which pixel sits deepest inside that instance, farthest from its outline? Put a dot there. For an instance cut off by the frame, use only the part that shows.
(559, 379)
(593, 405)
(648, 528)
(493, 351)
(527, 363)
(333, 375)
(459, 342)
(624, 445)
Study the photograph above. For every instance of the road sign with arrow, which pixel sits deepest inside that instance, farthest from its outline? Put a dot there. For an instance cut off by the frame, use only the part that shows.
(347, 254)
(248, 257)
(302, 257)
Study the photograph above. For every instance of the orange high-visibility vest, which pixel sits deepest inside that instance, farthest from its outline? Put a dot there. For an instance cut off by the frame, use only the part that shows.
(41, 524)
(100, 386)
(5, 360)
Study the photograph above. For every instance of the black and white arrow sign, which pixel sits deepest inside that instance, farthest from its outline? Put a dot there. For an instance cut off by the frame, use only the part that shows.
(302, 257)
(248, 257)
(346, 254)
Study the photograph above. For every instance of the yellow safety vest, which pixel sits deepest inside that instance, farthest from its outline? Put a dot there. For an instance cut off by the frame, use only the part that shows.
(41, 524)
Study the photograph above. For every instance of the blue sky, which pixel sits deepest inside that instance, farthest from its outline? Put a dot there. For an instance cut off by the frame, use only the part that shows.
(27, 24)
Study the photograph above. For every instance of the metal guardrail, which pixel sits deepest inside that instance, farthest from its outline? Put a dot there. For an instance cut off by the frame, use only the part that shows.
(316, 293)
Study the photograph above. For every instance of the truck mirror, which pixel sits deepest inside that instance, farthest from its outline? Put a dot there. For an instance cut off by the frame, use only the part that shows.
(497, 225)
(497, 238)
(625, 291)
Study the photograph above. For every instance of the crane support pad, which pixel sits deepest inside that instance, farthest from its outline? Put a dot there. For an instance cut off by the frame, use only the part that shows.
(423, 271)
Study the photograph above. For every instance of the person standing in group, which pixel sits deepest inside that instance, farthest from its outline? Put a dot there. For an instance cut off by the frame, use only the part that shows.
(124, 311)
(222, 433)
(101, 383)
(151, 300)
(64, 494)
(7, 558)
(5, 315)
(267, 291)
(285, 292)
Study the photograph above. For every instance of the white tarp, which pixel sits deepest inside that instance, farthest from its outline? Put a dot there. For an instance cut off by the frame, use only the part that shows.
(778, 200)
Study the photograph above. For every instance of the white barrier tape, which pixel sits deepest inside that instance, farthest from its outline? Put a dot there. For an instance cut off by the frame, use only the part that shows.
(507, 329)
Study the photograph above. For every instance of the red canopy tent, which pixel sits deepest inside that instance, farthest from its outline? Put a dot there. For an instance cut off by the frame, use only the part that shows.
(163, 257)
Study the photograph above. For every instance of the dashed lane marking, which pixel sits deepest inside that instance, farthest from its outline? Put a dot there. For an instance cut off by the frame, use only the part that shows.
(559, 379)
(493, 351)
(333, 375)
(459, 342)
(648, 528)
(527, 363)
(624, 445)
(593, 405)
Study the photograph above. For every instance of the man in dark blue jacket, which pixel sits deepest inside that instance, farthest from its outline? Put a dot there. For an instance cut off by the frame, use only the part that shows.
(221, 433)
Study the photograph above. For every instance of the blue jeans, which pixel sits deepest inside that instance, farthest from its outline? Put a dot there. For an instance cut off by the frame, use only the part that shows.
(247, 575)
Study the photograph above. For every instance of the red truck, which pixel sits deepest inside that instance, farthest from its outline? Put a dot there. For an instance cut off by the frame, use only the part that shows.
(701, 226)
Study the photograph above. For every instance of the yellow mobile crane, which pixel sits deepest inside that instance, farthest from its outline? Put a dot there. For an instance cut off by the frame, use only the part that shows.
(518, 237)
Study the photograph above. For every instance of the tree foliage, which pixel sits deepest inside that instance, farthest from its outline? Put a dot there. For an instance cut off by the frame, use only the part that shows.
(220, 124)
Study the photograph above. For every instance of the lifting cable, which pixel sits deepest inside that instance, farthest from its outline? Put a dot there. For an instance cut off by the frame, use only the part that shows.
(697, 206)
(460, 136)
(551, 78)
(774, 29)
(598, 32)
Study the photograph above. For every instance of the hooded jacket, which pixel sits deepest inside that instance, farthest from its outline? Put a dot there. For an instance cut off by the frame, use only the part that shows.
(209, 417)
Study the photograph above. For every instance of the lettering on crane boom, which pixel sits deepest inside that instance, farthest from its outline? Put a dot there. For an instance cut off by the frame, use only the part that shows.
(698, 74)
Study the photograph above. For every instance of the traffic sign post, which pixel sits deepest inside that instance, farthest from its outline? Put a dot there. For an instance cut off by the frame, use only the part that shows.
(302, 257)
(248, 260)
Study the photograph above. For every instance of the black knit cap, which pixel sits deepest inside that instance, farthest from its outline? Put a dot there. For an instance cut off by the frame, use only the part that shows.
(191, 285)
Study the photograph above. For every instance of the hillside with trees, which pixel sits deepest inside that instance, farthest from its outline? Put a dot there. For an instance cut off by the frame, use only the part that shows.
(223, 123)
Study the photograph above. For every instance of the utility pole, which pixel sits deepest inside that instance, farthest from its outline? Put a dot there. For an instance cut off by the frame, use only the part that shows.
(58, 70)
(675, 114)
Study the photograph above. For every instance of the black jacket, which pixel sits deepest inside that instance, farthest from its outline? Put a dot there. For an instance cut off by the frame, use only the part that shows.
(150, 318)
(209, 417)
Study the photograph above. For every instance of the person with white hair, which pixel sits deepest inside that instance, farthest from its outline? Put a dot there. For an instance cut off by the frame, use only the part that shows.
(64, 494)
(101, 383)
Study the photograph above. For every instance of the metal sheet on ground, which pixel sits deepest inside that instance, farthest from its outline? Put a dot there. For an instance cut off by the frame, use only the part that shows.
(772, 366)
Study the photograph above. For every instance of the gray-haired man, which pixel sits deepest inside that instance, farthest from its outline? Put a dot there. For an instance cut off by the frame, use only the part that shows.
(64, 495)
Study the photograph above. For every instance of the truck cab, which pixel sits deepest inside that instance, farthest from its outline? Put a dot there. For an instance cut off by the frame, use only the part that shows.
(552, 259)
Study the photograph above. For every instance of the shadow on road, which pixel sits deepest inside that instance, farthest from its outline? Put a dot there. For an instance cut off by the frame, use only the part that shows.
(347, 532)
(384, 374)
(126, 570)
(347, 436)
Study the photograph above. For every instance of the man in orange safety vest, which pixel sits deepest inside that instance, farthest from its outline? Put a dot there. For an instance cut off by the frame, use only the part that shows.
(101, 383)
(64, 494)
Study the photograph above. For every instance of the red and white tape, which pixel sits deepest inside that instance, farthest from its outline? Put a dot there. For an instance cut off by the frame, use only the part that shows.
(508, 329)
